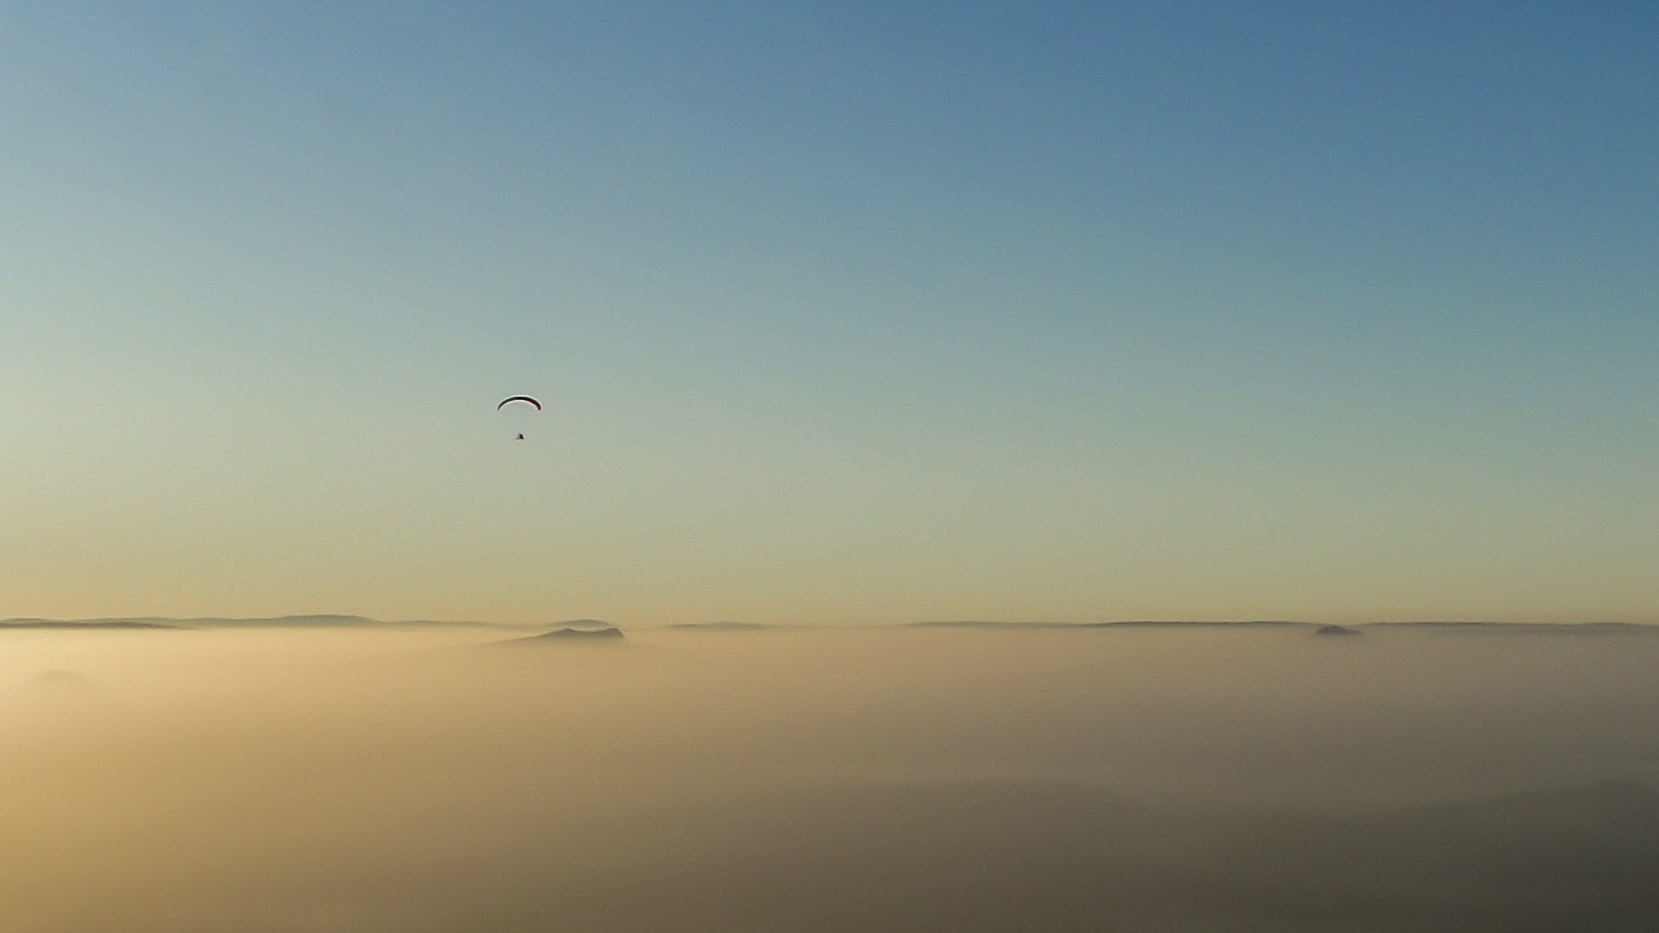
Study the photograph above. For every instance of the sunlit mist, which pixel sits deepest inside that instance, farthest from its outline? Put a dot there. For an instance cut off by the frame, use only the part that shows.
(877, 779)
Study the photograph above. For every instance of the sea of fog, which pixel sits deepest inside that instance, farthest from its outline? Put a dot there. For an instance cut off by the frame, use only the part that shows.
(864, 779)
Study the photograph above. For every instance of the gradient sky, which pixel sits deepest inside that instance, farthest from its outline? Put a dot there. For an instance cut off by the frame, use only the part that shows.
(851, 312)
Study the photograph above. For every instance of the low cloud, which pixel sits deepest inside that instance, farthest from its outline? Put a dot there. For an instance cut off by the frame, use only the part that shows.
(945, 778)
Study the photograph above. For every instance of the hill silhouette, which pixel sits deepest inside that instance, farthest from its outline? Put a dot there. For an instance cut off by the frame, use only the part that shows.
(319, 620)
(575, 631)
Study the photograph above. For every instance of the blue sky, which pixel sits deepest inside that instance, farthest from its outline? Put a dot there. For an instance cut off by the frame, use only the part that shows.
(853, 312)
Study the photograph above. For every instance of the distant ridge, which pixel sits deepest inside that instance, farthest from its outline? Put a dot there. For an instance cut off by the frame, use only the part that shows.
(339, 620)
(161, 622)
(972, 623)
(1136, 623)
(88, 623)
(1531, 628)
(1241, 623)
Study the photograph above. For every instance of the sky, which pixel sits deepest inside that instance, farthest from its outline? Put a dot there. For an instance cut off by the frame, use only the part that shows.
(841, 313)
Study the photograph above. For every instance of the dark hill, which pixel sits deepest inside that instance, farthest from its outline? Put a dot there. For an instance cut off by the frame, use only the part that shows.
(579, 632)
(86, 624)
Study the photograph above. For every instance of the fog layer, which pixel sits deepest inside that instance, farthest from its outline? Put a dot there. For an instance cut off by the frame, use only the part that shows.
(856, 779)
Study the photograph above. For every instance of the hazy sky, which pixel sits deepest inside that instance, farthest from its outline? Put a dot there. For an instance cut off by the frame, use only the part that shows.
(842, 312)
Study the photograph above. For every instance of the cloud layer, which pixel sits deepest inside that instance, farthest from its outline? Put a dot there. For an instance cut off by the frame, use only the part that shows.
(878, 779)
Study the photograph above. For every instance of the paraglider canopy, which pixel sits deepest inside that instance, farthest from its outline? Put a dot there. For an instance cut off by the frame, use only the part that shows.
(518, 416)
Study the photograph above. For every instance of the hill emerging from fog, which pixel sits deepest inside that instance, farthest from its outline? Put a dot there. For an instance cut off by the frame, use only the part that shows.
(580, 631)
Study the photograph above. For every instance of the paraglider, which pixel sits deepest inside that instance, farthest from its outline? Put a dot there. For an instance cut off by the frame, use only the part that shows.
(519, 398)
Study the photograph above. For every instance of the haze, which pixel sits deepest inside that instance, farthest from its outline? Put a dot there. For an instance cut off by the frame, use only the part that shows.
(829, 779)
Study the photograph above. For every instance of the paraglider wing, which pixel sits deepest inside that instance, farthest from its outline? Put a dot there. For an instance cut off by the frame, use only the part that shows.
(518, 418)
